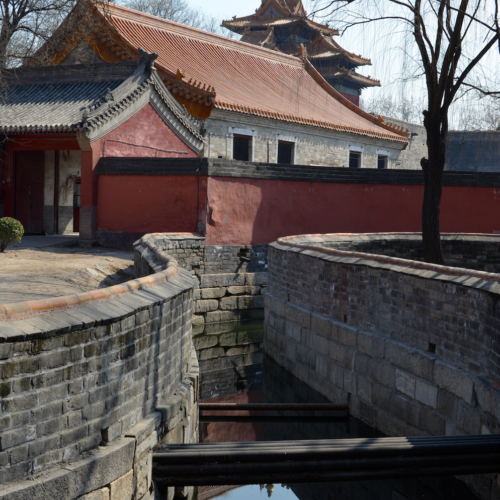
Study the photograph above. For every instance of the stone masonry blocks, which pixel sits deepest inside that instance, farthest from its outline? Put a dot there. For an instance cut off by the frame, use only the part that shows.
(415, 351)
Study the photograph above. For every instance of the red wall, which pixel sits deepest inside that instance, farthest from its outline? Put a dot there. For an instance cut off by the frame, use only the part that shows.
(258, 211)
(144, 134)
(140, 203)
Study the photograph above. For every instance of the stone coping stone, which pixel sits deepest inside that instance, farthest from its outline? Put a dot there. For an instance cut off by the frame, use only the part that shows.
(103, 466)
(313, 246)
(93, 314)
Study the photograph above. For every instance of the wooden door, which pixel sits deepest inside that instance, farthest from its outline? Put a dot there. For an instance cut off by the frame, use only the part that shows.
(29, 190)
(76, 205)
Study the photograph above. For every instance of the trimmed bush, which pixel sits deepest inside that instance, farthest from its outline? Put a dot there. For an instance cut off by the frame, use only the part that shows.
(11, 231)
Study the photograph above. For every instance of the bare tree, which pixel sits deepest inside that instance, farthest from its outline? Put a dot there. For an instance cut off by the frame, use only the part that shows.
(451, 39)
(26, 24)
(181, 12)
(402, 108)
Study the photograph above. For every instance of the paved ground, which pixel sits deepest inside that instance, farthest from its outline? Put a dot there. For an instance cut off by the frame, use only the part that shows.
(35, 270)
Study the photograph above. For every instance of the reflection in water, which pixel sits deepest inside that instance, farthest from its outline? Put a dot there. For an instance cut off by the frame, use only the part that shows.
(265, 381)
(255, 492)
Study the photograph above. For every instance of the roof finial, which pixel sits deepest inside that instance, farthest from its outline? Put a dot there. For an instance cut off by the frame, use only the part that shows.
(303, 52)
(150, 58)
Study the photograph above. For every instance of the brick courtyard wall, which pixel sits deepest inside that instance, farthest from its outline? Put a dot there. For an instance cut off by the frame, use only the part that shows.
(249, 204)
(91, 383)
(413, 348)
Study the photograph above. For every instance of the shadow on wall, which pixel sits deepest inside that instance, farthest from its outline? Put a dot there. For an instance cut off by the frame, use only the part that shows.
(259, 211)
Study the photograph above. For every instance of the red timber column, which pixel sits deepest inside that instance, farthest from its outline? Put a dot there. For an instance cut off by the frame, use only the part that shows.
(88, 207)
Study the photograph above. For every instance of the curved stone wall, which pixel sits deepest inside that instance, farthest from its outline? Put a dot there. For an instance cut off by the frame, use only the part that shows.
(89, 384)
(414, 348)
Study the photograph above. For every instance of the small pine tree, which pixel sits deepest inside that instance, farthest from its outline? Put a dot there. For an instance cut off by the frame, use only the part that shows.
(11, 231)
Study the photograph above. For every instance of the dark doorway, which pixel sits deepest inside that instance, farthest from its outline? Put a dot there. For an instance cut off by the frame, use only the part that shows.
(76, 205)
(241, 147)
(29, 190)
(285, 152)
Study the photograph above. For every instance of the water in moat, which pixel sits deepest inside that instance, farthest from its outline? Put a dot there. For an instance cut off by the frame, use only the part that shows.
(234, 369)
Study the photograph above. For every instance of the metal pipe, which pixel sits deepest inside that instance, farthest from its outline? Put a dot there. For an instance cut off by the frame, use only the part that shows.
(272, 407)
(304, 451)
(327, 465)
(329, 476)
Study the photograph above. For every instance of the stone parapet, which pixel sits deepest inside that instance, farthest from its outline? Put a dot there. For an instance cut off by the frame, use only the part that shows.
(90, 384)
(230, 279)
(411, 347)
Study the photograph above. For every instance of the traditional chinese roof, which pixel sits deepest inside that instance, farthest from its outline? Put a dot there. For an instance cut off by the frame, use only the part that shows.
(326, 47)
(276, 13)
(350, 77)
(92, 99)
(321, 48)
(264, 38)
(238, 76)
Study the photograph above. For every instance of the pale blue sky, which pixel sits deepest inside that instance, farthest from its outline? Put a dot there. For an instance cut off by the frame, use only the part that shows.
(254, 493)
(226, 9)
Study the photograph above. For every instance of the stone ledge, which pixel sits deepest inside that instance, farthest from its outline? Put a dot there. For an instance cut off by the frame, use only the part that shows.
(104, 466)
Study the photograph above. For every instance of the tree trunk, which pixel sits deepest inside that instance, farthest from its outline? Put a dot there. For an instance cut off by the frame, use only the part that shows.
(433, 168)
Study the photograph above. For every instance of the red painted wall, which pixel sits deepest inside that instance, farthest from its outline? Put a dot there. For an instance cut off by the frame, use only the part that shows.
(139, 203)
(258, 211)
(145, 134)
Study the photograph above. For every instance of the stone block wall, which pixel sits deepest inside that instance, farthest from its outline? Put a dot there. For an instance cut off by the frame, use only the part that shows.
(230, 359)
(90, 384)
(282, 387)
(313, 146)
(230, 279)
(413, 348)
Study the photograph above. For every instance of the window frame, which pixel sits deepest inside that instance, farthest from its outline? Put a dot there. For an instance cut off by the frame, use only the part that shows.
(360, 151)
(243, 132)
(293, 146)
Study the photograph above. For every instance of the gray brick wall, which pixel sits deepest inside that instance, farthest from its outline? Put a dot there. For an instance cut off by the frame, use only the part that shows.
(76, 379)
(470, 251)
(230, 279)
(413, 352)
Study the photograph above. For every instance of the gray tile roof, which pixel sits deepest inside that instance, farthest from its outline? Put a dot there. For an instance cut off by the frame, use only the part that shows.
(49, 107)
(92, 99)
(53, 99)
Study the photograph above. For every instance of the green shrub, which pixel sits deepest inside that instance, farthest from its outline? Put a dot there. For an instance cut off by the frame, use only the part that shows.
(11, 231)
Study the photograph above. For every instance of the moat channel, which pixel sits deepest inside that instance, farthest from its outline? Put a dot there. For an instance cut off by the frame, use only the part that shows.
(234, 369)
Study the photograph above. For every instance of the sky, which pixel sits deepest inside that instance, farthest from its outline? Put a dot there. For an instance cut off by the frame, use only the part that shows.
(226, 9)
(255, 493)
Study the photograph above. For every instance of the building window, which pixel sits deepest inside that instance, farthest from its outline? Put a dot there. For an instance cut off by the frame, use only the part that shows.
(383, 161)
(242, 147)
(285, 152)
(354, 159)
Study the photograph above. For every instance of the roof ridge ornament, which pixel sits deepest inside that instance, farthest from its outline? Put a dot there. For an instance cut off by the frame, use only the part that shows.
(303, 52)
(150, 58)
